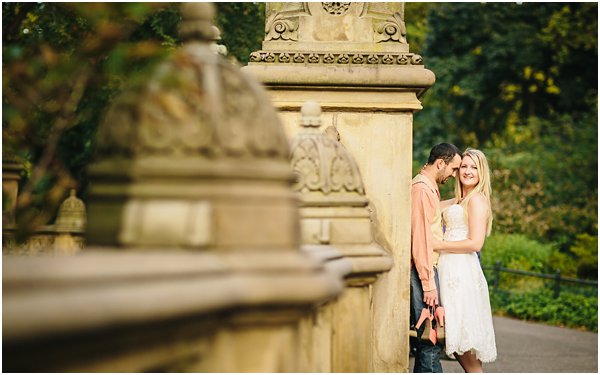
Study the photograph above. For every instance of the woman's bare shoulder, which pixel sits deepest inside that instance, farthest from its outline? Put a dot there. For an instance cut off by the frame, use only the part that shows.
(479, 201)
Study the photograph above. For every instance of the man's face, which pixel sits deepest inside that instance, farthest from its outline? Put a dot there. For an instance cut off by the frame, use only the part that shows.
(448, 170)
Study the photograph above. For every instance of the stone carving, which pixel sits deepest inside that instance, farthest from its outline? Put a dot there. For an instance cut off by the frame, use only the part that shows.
(319, 161)
(336, 8)
(284, 21)
(392, 29)
(158, 119)
(339, 58)
(388, 24)
(283, 24)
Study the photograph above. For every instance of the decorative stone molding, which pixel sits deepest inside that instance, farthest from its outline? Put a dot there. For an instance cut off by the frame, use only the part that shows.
(320, 27)
(388, 29)
(320, 162)
(283, 24)
(336, 8)
(341, 58)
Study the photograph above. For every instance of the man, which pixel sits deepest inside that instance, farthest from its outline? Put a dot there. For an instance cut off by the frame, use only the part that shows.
(443, 163)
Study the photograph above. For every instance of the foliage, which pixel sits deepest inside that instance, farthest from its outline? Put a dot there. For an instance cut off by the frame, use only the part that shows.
(545, 181)
(569, 309)
(519, 81)
(242, 27)
(62, 63)
(586, 249)
(515, 251)
(415, 18)
(498, 62)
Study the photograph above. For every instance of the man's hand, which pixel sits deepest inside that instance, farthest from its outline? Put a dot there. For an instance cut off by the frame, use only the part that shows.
(431, 298)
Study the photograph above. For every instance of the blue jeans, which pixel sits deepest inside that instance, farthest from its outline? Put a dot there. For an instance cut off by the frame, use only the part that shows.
(427, 355)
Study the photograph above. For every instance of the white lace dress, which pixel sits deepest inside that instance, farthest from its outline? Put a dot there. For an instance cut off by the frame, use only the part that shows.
(464, 295)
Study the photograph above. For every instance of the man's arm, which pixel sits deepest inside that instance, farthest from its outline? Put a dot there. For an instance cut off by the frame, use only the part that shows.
(423, 211)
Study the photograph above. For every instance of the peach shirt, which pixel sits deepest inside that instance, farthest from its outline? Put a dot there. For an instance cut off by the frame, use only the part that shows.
(425, 225)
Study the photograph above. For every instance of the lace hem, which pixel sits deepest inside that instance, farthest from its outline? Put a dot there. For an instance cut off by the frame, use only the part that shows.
(483, 356)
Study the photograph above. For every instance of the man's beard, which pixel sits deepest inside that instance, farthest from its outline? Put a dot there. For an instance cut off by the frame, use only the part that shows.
(440, 177)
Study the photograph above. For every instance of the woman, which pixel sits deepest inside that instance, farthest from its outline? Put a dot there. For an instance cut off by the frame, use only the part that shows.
(463, 288)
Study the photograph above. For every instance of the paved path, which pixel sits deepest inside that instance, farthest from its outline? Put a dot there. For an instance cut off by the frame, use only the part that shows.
(534, 347)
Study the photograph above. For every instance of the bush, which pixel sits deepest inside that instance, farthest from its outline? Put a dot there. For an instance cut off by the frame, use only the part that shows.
(586, 250)
(516, 251)
(569, 309)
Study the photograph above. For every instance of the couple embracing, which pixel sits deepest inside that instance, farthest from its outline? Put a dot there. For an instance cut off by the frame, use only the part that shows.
(446, 276)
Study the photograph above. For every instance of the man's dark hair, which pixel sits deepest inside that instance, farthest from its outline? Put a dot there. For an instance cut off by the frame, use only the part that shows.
(444, 151)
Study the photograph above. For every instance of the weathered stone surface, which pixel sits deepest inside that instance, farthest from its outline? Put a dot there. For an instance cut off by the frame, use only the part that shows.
(368, 91)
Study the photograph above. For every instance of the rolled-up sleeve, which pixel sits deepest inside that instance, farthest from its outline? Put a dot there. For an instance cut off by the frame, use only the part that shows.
(423, 212)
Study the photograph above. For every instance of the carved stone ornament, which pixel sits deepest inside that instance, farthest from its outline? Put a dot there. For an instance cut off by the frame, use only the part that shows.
(319, 161)
(283, 24)
(71, 215)
(388, 24)
(195, 105)
(341, 58)
(392, 29)
(336, 8)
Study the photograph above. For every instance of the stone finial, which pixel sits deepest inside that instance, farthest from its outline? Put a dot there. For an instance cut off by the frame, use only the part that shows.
(311, 114)
(197, 23)
(216, 38)
(320, 162)
(171, 146)
(71, 214)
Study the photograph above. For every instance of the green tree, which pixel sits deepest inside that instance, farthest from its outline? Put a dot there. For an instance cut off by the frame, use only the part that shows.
(520, 82)
(242, 28)
(62, 63)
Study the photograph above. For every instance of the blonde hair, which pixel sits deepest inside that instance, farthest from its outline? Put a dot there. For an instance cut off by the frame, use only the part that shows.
(484, 186)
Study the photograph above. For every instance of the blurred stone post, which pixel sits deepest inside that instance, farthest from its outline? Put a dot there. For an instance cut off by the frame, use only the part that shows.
(353, 58)
(193, 260)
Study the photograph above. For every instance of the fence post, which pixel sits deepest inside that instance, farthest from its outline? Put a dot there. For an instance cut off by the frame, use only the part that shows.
(557, 284)
(497, 272)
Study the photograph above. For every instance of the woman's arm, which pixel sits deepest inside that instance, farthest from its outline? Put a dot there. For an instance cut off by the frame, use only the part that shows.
(478, 211)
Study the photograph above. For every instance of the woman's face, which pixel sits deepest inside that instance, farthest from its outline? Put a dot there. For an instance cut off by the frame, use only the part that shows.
(468, 173)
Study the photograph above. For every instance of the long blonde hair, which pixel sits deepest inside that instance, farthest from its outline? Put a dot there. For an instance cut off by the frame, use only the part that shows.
(484, 187)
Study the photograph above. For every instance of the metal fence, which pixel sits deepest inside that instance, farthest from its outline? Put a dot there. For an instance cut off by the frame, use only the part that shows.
(558, 279)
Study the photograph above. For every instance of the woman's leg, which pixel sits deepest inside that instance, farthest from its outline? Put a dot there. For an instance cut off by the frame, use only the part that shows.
(469, 362)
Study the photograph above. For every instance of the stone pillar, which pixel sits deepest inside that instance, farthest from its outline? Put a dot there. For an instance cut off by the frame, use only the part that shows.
(354, 60)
